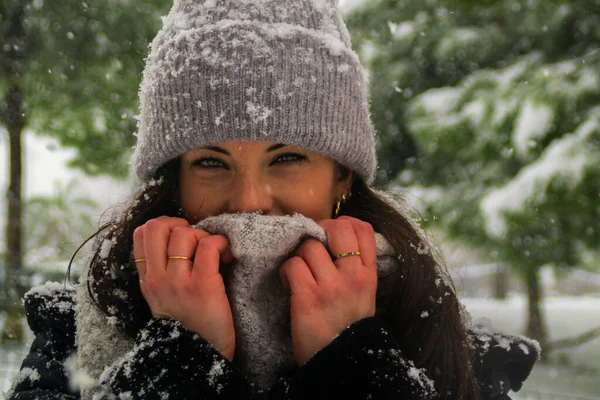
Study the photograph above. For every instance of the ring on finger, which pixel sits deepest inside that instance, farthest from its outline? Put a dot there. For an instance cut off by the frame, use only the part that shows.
(348, 254)
(139, 260)
(179, 258)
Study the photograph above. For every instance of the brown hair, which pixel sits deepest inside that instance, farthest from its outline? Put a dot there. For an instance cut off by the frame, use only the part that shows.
(439, 343)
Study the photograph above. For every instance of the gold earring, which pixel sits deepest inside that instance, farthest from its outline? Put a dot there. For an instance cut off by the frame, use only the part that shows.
(339, 205)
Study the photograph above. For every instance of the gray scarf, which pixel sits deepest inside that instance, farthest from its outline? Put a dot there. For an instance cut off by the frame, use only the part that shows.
(259, 303)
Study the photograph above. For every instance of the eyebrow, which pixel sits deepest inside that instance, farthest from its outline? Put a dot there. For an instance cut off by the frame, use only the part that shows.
(223, 151)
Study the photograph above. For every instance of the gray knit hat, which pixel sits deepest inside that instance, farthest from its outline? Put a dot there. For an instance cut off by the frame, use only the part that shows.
(268, 70)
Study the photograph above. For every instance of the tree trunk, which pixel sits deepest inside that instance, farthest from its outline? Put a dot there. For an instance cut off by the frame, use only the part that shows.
(501, 282)
(14, 120)
(536, 325)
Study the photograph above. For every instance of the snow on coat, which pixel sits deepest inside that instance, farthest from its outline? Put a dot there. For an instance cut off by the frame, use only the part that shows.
(167, 360)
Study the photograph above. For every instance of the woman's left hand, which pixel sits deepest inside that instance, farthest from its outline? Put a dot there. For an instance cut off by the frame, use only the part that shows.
(327, 296)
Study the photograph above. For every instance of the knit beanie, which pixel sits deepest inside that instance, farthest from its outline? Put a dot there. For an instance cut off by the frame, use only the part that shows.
(254, 70)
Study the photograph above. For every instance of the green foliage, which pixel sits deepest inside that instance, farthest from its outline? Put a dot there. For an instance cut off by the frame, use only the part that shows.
(80, 74)
(500, 102)
(518, 161)
(412, 46)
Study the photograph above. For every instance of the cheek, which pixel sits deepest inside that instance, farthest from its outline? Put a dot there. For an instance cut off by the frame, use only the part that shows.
(189, 198)
(197, 202)
(314, 193)
(311, 200)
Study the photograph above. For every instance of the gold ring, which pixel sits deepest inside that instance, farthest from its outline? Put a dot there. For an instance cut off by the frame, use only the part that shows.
(351, 253)
(139, 260)
(179, 258)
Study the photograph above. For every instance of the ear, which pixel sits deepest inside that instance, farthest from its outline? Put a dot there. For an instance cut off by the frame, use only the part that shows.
(343, 179)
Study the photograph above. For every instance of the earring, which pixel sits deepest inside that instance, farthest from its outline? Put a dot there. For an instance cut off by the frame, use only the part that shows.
(339, 204)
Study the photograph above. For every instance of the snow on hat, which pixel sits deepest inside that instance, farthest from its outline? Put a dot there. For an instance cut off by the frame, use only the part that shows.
(265, 70)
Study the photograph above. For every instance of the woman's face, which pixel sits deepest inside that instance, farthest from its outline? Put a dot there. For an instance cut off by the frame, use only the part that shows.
(266, 177)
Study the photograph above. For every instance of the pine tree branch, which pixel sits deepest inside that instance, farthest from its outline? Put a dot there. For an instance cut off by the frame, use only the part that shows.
(592, 56)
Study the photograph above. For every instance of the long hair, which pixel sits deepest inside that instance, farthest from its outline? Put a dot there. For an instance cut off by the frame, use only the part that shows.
(421, 309)
(419, 304)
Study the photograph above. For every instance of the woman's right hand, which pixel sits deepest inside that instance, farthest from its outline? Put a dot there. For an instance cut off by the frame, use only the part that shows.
(189, 291)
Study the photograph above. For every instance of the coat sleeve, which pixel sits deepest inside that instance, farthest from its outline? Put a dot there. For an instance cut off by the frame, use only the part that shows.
(363, 362)
(170, 359)
(502, 362)
(50, 316)
(166, 359)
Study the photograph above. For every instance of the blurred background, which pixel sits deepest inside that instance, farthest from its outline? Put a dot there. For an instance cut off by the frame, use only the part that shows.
(488, 125)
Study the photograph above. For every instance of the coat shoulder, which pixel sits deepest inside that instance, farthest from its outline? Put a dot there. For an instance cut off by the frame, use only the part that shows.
(502, 361)
(50, 310)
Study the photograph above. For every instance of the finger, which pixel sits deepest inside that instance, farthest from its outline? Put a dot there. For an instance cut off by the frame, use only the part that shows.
(208, 256)
(156, 240)
(296, 276)
(183, 242)
(227, 256)
(284, 278)
(341, 239)
(138, 251)
(318, 260)
(366, 241)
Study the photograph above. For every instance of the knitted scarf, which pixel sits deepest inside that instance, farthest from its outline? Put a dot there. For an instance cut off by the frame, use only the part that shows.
(259, 303)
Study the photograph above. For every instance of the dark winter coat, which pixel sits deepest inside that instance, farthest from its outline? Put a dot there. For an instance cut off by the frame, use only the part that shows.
(167, 360)
(364, 362)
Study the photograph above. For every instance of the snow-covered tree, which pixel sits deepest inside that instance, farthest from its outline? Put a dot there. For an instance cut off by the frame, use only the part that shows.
(69, 70)
(56, 225)
(502, 104)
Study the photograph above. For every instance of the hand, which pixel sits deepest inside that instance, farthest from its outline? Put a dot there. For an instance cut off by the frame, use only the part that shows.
(189, 291)
(327, 296)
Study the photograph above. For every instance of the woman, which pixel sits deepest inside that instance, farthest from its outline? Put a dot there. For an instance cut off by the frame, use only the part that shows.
(254, 124)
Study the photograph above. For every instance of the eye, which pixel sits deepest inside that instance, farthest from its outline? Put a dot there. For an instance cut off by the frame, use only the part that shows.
(290, 158)
(209, 163)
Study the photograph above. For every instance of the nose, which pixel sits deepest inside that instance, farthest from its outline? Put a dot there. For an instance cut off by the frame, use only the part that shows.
(251, 195)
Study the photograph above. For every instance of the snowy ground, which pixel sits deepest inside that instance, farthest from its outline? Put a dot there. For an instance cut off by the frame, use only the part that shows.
(578, 375)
